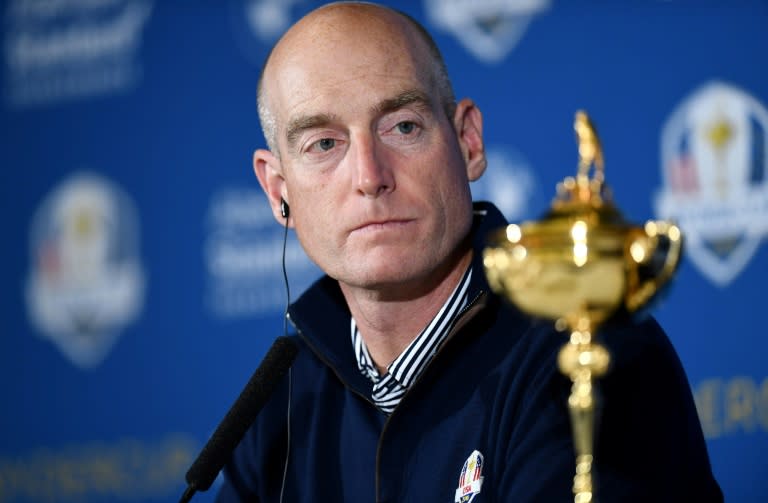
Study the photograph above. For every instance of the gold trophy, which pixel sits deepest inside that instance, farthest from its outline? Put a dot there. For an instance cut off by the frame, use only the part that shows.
(579, 265)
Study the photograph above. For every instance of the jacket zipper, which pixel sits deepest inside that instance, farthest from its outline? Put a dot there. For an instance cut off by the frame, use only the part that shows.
(454, 331)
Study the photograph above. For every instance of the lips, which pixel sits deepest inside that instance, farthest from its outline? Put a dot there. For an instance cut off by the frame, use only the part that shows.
(382, 225)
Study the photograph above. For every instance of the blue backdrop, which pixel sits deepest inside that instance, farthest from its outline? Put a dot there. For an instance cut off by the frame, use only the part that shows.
(140, 266)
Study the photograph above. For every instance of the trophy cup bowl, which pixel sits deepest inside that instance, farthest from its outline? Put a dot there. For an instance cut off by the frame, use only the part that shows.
(579, 265)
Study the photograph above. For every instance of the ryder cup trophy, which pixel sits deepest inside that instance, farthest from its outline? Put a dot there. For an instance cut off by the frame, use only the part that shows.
(580, 264)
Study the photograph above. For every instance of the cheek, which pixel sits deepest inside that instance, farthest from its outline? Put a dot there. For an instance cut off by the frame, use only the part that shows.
(450, 184)
(456, 198)
(311, 239)
(316, 225)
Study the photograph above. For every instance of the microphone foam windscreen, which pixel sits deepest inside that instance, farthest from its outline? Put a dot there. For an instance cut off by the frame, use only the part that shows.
(243, 412)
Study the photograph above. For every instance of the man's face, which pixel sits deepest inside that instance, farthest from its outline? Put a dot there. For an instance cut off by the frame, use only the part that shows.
(372, 169)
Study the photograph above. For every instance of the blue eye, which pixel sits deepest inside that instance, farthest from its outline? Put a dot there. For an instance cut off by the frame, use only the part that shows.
(326, 144)
(406, 127)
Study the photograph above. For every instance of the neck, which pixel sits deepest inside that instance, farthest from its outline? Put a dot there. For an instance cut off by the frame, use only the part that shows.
(389, 322)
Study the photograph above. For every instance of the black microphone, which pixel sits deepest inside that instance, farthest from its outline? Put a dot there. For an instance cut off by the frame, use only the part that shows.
(241, 415)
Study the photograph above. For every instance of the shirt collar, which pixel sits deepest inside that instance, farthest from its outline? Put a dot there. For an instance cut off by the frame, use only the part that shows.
(407, 367)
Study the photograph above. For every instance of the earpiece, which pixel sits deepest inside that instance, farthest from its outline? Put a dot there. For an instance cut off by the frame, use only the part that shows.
(285, 210)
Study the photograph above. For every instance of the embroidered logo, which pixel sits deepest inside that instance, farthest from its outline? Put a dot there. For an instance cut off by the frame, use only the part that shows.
(471, 478)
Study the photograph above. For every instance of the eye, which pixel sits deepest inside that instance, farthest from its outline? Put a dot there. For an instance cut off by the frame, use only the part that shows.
(403, 128)
(325, 144)
(406, 127)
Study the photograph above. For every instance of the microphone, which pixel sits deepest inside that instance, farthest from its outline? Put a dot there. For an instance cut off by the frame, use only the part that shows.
(240, 416)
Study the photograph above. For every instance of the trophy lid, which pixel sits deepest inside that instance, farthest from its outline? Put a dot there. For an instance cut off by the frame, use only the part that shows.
(583, 197)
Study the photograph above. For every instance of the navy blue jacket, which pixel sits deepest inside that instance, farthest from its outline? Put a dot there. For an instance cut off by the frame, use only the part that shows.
(492, 387)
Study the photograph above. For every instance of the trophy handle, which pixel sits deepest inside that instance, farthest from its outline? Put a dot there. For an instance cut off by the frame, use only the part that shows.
(652, 270)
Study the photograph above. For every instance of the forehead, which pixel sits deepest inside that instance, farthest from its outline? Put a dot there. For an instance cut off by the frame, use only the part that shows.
(344, 60)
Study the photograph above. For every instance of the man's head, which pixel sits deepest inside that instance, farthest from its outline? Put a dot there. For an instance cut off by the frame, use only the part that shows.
(437, 70)
(368, 147)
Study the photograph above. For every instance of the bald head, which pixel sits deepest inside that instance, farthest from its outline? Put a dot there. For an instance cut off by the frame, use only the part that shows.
(346, 29)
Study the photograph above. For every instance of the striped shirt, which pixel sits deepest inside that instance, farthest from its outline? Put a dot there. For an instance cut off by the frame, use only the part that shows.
(401, 373)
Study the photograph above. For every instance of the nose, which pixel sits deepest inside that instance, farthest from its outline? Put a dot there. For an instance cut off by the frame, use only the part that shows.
(374, 175)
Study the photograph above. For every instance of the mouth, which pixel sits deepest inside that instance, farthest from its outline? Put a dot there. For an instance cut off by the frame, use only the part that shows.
(382, 225)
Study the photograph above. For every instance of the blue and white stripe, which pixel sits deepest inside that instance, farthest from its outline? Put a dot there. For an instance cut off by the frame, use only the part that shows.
(406, 368)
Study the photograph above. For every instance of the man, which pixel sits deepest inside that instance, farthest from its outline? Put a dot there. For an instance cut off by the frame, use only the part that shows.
(414, 383)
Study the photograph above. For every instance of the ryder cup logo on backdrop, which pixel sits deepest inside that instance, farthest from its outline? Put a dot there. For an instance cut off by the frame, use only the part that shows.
(86, 282)
(56, 50)
(508, 182)
(714, 157)
(257, 24)
(243, 256)
(489, 29)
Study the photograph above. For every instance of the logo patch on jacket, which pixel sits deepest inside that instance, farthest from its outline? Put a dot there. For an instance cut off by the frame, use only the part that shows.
(471, 478)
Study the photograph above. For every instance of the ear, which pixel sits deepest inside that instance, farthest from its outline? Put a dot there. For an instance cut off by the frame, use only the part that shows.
(468, 123)
(269, 171)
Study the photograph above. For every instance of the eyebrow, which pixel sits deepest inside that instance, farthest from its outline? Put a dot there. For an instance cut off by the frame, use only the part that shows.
(302, 123)
(410, 97)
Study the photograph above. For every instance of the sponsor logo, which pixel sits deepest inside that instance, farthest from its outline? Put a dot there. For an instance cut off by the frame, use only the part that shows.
(64, 49)
(86, 282)
(268, 19)
(714, 158)
(508, 182)
(257, 24)
(471, 478)
(243, 256)
(489, 29)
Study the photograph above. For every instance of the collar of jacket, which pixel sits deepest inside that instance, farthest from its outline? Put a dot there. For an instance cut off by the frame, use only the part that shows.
(321, 315)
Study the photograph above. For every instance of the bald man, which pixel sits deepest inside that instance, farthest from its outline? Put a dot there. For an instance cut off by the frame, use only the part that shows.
(414, 383)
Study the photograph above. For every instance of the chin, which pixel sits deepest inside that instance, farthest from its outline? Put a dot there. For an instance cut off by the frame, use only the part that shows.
(392, 277)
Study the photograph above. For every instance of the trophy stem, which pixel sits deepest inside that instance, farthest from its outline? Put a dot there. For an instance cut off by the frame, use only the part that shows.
(583, 361)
